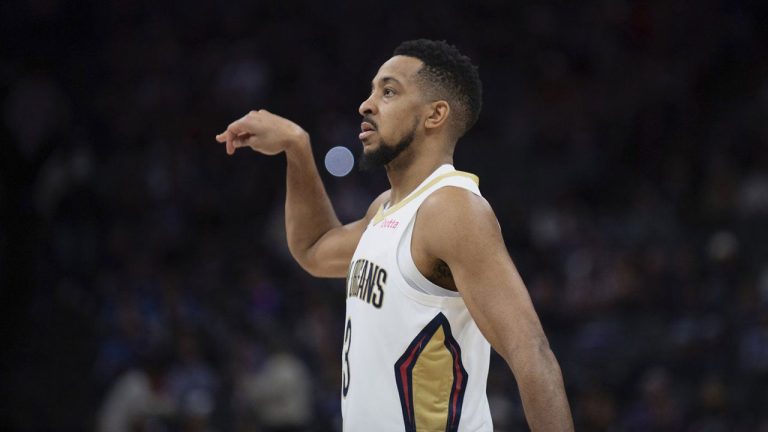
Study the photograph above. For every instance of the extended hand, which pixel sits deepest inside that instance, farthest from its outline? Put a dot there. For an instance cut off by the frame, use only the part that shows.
(262, 131)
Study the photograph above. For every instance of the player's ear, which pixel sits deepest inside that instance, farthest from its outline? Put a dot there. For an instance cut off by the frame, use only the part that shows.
(437, 114)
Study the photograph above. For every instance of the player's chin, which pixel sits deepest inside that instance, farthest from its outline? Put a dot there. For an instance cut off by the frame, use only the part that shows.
(369, 142)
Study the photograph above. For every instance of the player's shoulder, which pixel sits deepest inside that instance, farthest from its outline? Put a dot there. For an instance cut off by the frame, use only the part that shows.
(455, 200)
(456, 217)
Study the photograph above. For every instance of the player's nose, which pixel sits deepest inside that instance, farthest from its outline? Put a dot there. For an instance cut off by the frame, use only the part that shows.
(367, 107)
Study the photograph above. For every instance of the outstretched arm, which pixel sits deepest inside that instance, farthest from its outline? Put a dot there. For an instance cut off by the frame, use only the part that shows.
(316, 238)
(496, 298)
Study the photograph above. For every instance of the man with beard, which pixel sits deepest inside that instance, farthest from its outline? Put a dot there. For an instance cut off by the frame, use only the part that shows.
(429, 280)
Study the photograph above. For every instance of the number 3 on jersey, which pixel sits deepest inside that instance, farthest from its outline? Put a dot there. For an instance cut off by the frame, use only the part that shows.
(345, 371)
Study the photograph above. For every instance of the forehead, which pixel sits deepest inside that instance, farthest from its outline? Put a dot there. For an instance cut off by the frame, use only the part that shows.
(401, 68)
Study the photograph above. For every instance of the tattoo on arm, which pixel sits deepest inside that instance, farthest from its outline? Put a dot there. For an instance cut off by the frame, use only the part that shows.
(442, 271)
(442, 276)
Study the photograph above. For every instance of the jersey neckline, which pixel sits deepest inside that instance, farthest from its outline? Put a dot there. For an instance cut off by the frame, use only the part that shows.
(431, 180)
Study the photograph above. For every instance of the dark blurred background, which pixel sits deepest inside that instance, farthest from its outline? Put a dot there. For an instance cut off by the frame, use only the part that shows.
(146, 284)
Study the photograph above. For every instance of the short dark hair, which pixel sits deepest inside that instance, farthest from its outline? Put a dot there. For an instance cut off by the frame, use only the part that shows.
(449, 75)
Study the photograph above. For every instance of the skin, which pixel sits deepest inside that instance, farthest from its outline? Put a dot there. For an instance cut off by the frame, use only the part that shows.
(472, 258)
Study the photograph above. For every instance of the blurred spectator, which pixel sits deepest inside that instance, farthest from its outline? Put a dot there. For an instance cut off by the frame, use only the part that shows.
(658, 407)
(139, 399)
(192, 384)
(279, 395)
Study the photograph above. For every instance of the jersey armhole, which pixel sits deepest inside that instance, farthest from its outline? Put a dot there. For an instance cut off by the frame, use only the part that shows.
(411, 273)
(415, 279)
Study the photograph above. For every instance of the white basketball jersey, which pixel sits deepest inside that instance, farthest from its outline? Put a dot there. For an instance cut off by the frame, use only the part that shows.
(413, 358)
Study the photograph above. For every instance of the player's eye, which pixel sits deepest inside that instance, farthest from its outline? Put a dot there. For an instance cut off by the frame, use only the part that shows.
(388, 92)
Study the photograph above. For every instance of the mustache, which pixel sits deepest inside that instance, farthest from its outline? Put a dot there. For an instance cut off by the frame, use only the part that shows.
(368, 119)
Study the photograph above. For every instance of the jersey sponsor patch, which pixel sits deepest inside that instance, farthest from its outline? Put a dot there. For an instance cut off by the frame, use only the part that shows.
(431, 379)
(389, 223)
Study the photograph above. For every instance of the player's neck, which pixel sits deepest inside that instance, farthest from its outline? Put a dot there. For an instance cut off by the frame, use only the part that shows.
(407, 173)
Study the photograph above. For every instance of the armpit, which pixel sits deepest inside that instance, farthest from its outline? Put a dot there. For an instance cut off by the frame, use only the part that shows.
(441, 276)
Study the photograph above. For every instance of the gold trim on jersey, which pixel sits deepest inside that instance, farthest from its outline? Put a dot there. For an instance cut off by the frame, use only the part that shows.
(381, 213)
(431, 379)
(432, 384)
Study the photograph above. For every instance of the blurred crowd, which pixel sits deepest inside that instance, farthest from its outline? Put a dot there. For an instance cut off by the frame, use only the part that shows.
(145, 276)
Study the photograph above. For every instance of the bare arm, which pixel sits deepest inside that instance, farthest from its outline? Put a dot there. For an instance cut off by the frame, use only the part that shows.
(319, 242)
(496, 298)
(316, 238)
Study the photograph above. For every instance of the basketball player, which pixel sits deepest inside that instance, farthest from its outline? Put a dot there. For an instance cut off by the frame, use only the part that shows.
(429, 282)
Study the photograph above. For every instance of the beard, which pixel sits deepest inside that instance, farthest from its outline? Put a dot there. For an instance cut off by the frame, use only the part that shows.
(385, 153)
